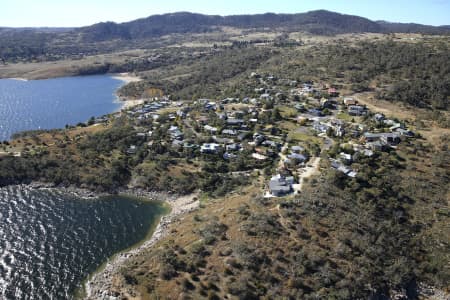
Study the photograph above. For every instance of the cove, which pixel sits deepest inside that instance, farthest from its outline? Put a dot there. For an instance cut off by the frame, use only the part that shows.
(54, 103)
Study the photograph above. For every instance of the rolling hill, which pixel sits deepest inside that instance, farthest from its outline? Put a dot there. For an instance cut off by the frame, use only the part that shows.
(27, 44)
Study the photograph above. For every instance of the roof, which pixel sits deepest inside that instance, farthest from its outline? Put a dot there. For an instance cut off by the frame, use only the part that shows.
(235, 121)
(297, 148)
(210, 147)
(210, 128)
(259, 156)
(229, 132)
(281, 184)
(296, 156)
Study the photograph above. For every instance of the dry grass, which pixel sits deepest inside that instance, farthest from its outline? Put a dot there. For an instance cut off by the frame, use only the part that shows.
(43, 70)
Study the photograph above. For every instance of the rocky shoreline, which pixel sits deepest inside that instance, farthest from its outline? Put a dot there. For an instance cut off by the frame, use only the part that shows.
(100, 284)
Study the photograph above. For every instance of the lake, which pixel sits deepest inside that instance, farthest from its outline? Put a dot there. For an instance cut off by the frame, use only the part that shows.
(51, 241)
(53, 103)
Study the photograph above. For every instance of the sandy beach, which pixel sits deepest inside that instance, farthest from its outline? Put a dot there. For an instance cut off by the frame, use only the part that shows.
(18, 79)
(126, 77)
(99, 285)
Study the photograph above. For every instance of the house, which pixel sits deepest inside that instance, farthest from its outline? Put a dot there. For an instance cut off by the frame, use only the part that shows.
(228, 156)
(345, 157)
(379, 117)
(315, 112)
(390, 122)
(349, 101)
(220, 140)
(258, 138)
(297, 149)
(255, 101)
(235, 122)
(391, 138)
(344, 169)
(181, 113)
(210, 106)
(299, 158)
(101, 120)
(244, 135)
(144, 134)
(203, 101)
(366, 152)
(132, 149)
(210, 129)
(175, 133)
(202, 120)
(233, 147)
(326, 103)
(177, 144)
(229, 132)
(259, 156)
(405, 132)
(265, 97)
(376, 146)
(280, 185)
(319, 127)
(210, 148)
(372, 137)
(238, 114)
(271, 144)
(222, 116)
(356, 110)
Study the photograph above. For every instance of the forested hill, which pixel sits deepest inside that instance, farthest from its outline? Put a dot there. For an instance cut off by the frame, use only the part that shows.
(44, 44)
(317, 22)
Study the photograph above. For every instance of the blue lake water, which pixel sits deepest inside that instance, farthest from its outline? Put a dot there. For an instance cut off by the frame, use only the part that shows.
(53, 103)
(50, 241)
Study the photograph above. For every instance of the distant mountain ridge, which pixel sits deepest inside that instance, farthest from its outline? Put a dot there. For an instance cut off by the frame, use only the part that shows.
(320, 22)
(25, 44)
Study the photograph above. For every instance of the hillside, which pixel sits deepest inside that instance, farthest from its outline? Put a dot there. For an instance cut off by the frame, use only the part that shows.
(381, 232)
(49, 44)
(316, 22)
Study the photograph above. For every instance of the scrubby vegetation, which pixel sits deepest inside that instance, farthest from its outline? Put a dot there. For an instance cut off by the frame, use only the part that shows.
(381, 232)
(342, 238)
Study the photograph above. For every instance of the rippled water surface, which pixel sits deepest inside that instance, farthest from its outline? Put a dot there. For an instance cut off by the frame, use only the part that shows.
(50, 241)
(53, 103)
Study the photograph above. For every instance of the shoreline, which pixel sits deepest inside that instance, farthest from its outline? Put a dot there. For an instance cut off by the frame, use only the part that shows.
(17, 79)
(99, 284)
(127, 78)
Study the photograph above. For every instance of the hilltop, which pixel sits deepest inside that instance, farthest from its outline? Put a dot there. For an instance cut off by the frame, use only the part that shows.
(56, 43)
